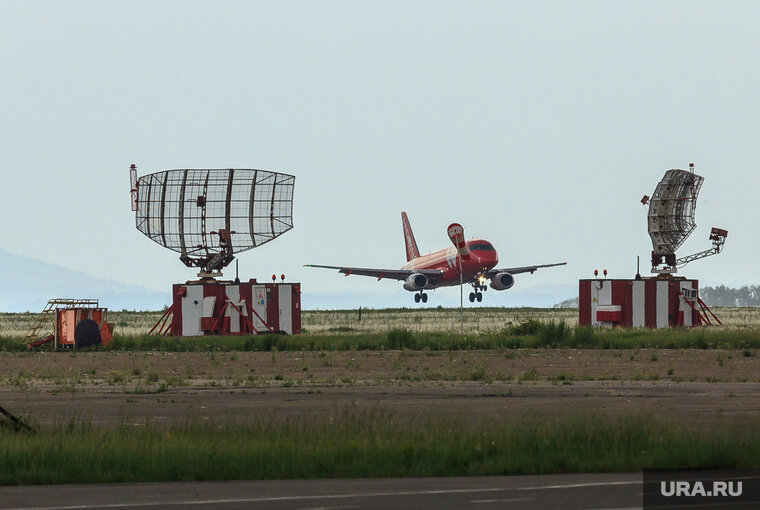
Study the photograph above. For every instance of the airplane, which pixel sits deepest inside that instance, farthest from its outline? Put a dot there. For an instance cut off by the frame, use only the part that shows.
(471, 262)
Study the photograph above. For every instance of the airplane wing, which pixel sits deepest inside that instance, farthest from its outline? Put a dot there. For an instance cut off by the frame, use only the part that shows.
(518, 270)
(395, 274)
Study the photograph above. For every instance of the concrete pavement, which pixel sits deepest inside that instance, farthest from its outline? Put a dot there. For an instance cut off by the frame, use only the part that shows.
(619, 491)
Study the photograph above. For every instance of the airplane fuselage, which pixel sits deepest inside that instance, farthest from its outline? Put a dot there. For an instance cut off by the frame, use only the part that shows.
(482, 257)
(464, 262)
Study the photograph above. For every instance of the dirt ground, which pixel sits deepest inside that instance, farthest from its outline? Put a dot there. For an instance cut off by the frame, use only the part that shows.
(116, 387)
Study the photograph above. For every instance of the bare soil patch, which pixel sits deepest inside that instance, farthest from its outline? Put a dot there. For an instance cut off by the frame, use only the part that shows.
(115, 387)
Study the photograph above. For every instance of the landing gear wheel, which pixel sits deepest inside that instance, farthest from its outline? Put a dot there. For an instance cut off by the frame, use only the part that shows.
(472, 297)
(424, 298)
(479, 297)
(416, 298)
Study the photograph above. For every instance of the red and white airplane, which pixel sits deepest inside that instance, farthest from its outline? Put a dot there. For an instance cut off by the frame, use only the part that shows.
(474, 260)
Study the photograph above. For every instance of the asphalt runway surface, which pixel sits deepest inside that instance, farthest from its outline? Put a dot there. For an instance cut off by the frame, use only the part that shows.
(600, 491)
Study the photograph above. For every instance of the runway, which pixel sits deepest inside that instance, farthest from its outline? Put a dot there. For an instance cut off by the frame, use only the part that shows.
(619, 491)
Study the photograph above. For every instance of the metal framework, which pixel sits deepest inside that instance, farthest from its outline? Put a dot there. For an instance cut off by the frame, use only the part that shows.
(42, 330)
(208, 216)
(670, 220)
(701, 309)
(671, 210)
(44, 323)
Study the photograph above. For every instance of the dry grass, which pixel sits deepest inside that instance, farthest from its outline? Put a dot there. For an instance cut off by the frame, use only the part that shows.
(475, 320)
(125, 323)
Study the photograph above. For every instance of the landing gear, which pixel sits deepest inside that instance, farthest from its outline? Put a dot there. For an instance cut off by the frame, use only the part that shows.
(477, 294)
(420, 297)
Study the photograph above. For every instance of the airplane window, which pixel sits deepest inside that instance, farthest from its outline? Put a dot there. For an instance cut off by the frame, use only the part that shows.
(482, 247)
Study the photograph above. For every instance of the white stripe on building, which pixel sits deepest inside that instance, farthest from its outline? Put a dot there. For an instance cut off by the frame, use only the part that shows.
(662, 304)
(285, 293)
(192, 305)
(683, 306)
(233, 295)
(260, 306)
(639, 310)
(601, 294)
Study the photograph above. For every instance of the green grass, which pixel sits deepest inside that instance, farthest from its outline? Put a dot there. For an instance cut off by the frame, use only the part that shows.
(369, 445)
(530, 333)
(536, 334)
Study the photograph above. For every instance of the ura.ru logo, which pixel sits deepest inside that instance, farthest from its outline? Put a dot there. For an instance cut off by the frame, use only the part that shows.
(717, 488)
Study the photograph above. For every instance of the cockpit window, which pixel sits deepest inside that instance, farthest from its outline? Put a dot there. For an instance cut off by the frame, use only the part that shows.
(481, 246)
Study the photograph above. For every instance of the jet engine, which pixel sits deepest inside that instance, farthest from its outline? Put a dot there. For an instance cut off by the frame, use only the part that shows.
(502, 281)
(415, 282)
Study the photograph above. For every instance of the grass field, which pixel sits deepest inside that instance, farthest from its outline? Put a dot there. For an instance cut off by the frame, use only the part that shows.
(374, 444)
(427, 329)
(442, 320)
(399, 393)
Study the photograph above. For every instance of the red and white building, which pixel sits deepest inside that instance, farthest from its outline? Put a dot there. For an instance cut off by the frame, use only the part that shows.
(648, 302)
(228, 308)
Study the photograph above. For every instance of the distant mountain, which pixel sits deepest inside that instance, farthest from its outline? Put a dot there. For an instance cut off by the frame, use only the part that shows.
(26, 284)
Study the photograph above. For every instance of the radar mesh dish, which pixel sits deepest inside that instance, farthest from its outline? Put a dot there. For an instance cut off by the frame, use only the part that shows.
(671, 210)
(209, 215)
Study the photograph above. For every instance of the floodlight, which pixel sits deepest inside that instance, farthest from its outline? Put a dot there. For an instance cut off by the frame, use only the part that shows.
(208, 216)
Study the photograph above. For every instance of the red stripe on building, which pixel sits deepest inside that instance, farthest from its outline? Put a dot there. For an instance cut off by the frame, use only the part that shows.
(584, 302)
(273, 307)
(650, 303)
(622, 295)
(295, 296)
(178, 291)
(674, 302)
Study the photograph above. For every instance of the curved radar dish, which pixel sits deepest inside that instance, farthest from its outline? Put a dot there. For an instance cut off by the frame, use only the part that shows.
(671, 210)
(208, 216)
(671, 220)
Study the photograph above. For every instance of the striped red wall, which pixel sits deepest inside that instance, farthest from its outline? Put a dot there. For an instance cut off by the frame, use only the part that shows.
(653, 303)
(190, 319)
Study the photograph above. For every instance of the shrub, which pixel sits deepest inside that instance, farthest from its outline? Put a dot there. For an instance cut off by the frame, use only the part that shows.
(401, 338)
(554, 333)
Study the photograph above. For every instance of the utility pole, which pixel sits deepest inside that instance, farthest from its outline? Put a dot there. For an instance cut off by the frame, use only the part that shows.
(461, 298)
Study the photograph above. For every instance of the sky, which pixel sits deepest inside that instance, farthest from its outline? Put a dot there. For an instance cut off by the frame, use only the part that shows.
(536, 125)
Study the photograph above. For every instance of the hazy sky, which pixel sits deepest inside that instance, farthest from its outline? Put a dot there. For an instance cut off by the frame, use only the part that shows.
(537, 125)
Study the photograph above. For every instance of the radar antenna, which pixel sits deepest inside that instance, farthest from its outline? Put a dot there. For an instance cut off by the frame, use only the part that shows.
(671, 220)
(210, 215)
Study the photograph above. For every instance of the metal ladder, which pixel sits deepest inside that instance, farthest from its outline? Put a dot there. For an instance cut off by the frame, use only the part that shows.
(46, 318)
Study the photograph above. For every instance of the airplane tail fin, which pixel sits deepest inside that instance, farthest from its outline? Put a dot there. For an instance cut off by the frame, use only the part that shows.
(412, 252)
